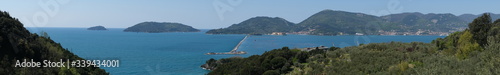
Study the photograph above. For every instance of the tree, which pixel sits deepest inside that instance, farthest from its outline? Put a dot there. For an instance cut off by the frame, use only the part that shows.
(480, 27)
(18, 43)
(302, 57)
(494, 31)
(496, 21)
(278, 62)
(333, 48)
(466, 45)
(44, 34)
(271, 72)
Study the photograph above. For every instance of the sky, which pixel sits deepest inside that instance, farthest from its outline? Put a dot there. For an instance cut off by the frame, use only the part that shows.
(212, 14)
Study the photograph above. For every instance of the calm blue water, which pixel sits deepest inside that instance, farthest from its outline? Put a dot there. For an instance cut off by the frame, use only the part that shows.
(182, 53)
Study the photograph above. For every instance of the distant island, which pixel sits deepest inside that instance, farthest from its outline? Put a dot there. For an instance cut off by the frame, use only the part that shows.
(158, 27)
(97, 28)
(334, 22)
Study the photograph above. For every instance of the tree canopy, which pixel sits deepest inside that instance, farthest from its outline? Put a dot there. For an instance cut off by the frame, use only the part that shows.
(17, 43)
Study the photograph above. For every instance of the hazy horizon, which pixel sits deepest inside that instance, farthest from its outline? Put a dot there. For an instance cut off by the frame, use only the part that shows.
(205, 14)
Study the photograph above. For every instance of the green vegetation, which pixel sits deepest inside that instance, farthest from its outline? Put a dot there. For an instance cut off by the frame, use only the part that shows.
(412, 22)
(480, 27)
(257, 25)
(330, 22)
(470, 17)
(466, 45)
(277, 61)
(97, 28)
(458, 53)
(157, 27)
(17, 43)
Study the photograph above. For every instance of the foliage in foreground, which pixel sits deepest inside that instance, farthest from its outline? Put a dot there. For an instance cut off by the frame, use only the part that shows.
(17, 43)
(273, 62)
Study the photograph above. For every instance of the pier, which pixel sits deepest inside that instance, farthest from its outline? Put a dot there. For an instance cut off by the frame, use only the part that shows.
(235, 49)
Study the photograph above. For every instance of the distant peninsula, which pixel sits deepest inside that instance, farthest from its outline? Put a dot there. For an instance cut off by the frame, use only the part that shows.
(97, 28)
(159, 27)
(335, 22)
(257, 25)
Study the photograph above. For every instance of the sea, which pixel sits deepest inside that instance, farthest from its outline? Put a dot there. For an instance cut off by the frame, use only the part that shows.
(182, 53)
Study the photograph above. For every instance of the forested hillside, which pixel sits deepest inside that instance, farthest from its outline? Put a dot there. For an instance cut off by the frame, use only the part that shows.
(257, 25)
(158, 27)
(17, 43)
(334, 22)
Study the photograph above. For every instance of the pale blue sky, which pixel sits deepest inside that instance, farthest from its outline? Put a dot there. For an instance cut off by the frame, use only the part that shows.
(203, 15)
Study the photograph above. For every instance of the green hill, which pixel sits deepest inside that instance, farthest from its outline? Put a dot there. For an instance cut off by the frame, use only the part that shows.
(412, 22)
(158, 27)
(257, 25)
(330, 22)
(17, 43)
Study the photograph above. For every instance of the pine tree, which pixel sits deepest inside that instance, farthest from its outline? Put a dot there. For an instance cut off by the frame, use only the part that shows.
(496, 21)
(480, 27)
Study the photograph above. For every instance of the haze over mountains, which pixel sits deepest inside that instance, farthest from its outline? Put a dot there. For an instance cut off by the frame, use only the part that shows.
(470, 17)
(334, 22)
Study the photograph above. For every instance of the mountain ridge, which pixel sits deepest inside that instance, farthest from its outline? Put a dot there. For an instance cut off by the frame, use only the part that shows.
(336, 22)
(257, 25)
(158, 27)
